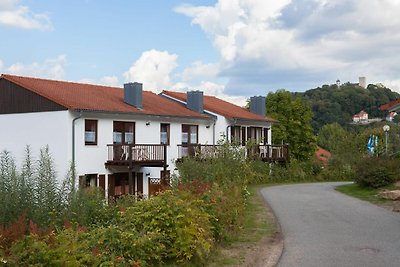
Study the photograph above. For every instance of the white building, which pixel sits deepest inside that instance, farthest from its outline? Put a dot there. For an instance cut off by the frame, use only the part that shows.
(239, 125)
(123, 140)
(361, 117)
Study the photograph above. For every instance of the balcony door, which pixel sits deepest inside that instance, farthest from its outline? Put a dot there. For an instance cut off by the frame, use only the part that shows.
(189, 139)
(123, 135)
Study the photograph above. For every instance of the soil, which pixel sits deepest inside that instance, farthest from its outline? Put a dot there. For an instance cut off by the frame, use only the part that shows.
(391, 205)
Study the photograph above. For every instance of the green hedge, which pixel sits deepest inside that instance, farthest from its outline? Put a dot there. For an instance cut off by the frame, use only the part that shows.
(376, 172)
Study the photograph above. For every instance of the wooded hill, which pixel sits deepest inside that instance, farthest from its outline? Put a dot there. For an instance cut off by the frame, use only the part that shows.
(331, 103)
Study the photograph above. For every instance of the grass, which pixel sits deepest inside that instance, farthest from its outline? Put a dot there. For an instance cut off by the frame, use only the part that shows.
(258, 224)
(367, 194)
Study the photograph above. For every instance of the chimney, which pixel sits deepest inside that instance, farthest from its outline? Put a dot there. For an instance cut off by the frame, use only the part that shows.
(133, 93)
(195, 101)
(257, 105)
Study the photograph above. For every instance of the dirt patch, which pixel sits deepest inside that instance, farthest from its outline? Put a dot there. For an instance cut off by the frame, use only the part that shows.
(391, 205)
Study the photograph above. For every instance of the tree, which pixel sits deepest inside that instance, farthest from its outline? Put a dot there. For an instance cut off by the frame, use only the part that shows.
(331, 136)
(294, 127)
(47, 197)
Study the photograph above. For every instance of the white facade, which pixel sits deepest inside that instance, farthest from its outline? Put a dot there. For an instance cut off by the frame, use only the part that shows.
(90, 159)
(38, 130)
(54, 129)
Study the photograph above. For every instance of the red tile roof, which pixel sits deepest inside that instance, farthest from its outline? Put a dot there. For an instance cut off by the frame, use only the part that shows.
(221, 107)
(322, 155)
(79, 96)
(390, 104)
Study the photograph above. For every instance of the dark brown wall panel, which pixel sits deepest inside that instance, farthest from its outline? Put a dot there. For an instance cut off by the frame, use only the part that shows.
(16, 99)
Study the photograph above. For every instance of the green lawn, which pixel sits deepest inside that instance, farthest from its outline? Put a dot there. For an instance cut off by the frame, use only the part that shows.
(367, 194)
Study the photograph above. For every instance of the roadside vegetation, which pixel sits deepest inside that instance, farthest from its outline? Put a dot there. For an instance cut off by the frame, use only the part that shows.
(213, 204)
(211, 214)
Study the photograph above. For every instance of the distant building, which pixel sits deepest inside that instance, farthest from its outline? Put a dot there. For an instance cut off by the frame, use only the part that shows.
(362, 82)
(360, 117)
(338, 83)
(390, 116)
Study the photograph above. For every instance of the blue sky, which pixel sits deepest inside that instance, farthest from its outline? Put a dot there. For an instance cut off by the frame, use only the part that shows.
(229, 48)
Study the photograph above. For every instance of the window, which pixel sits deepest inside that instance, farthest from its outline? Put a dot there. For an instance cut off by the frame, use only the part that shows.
(265, 137)
(243, 136)
(254, 134)
(164, 133)
(124, 133)
(235, 134)
(88, 180)
(90, 132)
(189, 134)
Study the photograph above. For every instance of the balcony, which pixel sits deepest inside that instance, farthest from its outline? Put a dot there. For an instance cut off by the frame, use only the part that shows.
(196, 150)
(274, 153)
(138, 154)
(266, 153)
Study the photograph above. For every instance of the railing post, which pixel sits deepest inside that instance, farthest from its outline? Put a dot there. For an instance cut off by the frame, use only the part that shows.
(130, 169)
(165, 165)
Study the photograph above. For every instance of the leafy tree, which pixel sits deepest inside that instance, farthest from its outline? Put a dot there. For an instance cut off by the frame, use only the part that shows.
(332, 104)
(294, 127)
(331, 136)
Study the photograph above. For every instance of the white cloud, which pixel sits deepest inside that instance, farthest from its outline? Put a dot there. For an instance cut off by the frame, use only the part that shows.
(13, 14)
(200, 70)
(392, 84)
(1, 65)
(110, 80)
(50, 68)
(153, 69)
(270, 43)
(210, 88)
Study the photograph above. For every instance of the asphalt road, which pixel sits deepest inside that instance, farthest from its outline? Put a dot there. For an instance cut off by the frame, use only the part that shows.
(322, 227)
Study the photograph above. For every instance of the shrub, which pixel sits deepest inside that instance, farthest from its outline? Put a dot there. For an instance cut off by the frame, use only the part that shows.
(175, 221)
(377, 172)
(170, 227)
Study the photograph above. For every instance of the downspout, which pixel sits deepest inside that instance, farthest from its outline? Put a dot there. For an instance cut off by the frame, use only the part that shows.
(214, 133)
(227, 133)
(73, 137)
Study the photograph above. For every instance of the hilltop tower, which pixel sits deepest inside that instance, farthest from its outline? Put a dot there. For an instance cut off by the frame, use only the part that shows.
(338, 83)
(362, 82)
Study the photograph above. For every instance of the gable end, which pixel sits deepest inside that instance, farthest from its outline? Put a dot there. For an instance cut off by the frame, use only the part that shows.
(17, 99)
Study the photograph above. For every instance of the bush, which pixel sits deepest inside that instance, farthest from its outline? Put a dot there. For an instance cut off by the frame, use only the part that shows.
(172, 227)
(377, 172)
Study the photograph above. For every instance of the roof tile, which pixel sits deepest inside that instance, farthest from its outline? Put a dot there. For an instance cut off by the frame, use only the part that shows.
(79, 96)
(221, 107)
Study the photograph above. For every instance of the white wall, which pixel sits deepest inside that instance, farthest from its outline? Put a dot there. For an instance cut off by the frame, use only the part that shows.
(91, 159)
(38, 129)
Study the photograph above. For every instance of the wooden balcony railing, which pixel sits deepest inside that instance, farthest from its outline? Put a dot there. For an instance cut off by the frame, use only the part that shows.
(197, 150)
(142, 154)
(274, 153)
(267, 153)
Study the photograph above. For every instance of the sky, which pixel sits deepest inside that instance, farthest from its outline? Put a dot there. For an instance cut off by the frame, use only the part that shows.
(232, 49)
